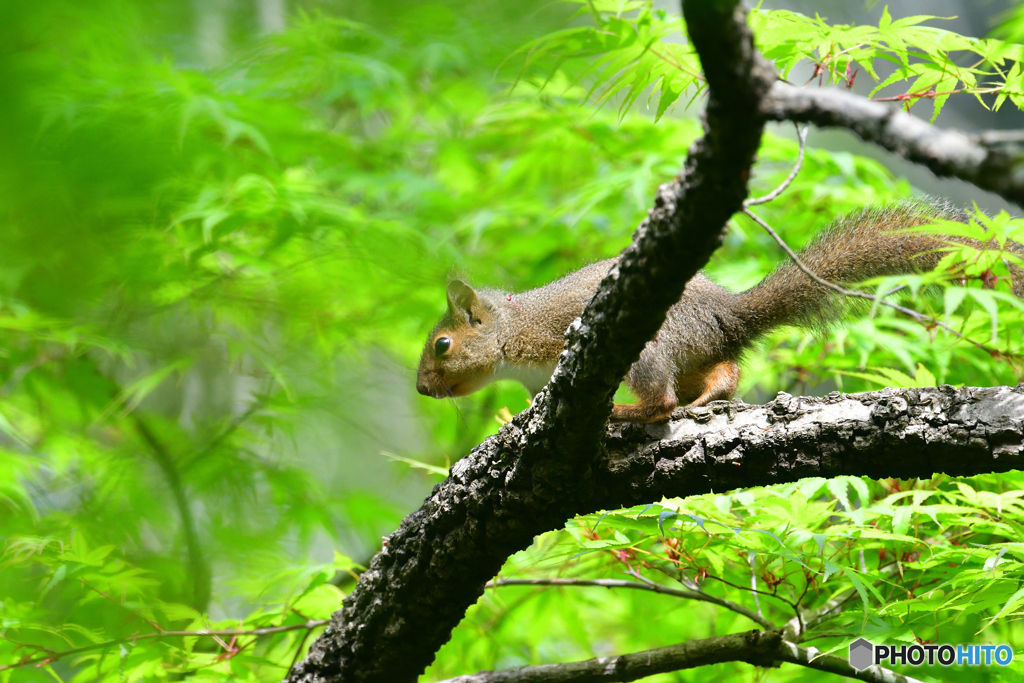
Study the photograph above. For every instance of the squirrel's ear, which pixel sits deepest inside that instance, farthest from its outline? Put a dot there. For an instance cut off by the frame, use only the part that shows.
(464, 302)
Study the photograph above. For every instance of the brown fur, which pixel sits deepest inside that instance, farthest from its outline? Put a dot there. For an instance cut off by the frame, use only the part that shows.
(694, 358)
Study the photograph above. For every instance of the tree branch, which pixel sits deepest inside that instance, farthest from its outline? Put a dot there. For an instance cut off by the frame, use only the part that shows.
(539, 471)
(796, 628)
(760, 648)
(552, 462)
(198, 567)
(638, 585)
(54, 655)
(801, 134)
(989, 161)
(906, 433)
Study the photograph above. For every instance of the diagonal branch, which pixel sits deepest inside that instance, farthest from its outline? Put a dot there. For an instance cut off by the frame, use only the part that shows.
(539, 469)
(796, 628)
(908, 433)
(989, 161)
(198, 566)
(552, 462)
(801, 133)
(760, 648)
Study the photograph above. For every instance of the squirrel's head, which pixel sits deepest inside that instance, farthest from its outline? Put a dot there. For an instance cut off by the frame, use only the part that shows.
(462, 352)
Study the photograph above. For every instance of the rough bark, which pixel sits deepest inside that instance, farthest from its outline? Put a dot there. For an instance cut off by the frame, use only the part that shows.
(890, 433)
(533, 476)
(906, 433)
(990, 161)
(557, 459)
(903, 433)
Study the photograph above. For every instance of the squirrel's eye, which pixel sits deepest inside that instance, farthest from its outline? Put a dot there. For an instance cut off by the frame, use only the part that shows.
(441, 345)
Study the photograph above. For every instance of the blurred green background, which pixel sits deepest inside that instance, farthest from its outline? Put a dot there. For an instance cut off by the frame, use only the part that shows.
(225, 229)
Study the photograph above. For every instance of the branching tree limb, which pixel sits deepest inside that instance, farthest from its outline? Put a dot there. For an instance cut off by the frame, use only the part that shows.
(989, 161)
(760, 648)
(890, 433)
(558, 460)
(725, 446)
(435, 566)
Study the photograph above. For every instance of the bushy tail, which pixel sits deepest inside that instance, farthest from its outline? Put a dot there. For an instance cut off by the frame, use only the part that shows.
(870, 243)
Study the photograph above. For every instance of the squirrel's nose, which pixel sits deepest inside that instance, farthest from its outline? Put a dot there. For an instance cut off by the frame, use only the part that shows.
(421, 386)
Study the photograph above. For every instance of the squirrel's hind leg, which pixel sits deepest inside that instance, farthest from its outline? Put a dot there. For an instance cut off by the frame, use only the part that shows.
(644, 413)
(717, 383)
(657, 399)
(650, 380)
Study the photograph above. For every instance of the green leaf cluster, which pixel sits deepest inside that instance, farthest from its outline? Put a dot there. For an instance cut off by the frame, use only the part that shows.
(630, 48)
(215, 284)
(934, 561)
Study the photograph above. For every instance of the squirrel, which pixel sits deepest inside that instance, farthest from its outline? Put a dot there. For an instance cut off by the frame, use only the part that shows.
(487, 335)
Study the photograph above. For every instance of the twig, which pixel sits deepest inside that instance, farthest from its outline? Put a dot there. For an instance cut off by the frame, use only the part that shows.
(257, 632)
(927, 94)
(120, 604)
(796, 627)
(753, 584)
(298, 650)
(761, 648)
(651, 586)
(755, 591)
(925, 320)
(672, 62)
(802, 135)
(668, 60)
(220, 438)
(20, 645)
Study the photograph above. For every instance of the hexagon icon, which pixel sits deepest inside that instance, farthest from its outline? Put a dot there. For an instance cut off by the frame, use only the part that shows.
(862, 654)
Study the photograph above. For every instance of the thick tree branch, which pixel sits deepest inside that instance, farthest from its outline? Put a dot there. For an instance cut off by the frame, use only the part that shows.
(760, 648)
(989, 161)
(908, 433)
(534, 476)
(552, 461)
